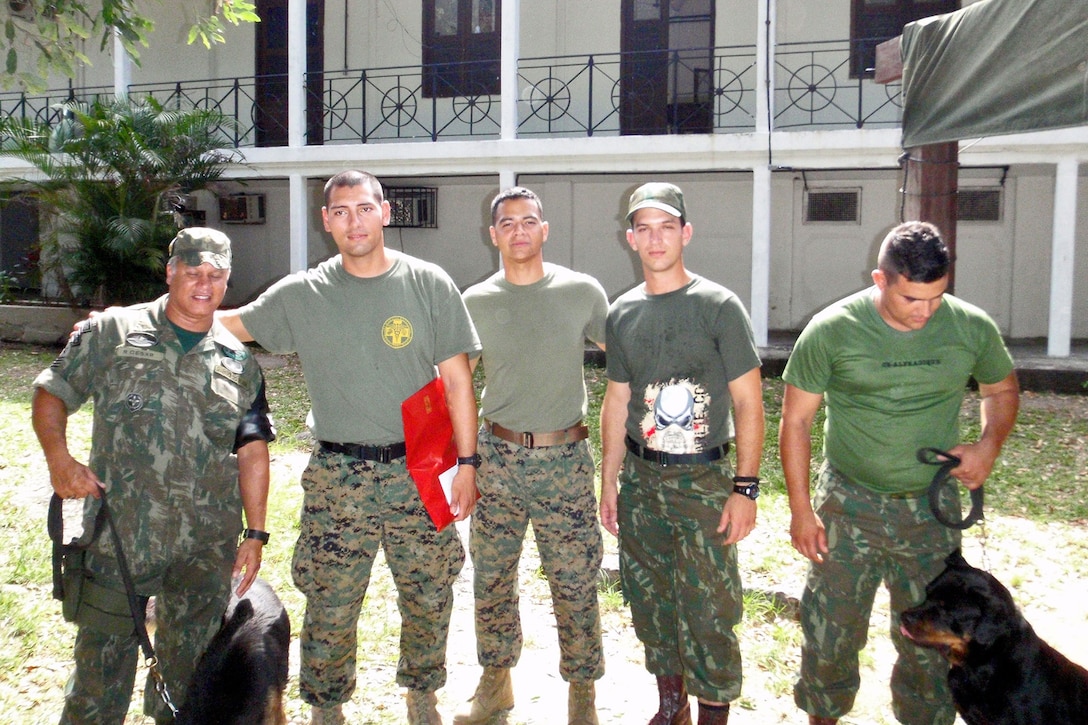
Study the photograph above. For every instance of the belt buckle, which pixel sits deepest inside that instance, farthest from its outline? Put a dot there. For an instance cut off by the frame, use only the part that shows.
(385, 454)
(527, 439)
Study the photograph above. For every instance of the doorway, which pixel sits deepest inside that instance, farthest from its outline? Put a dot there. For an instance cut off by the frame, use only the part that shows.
(667, 67)
(271, 49)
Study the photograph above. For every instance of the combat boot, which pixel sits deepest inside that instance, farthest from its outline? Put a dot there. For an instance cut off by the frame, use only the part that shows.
(713, 714)
(332, 715)
(673, 698)
(581, 703)
(423, 708)
(494, 693)
(817, 720)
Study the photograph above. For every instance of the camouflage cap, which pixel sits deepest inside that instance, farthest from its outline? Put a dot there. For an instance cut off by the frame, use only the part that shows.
(195, 245)
(657, 195)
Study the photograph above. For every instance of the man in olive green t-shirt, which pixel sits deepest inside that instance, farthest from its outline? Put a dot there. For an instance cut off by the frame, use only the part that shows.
(534, 319)
(892, 363)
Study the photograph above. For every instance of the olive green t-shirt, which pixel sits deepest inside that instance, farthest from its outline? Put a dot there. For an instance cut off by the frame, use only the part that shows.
(890, 392)
(365, 344)
(679, 351)
(534, 339)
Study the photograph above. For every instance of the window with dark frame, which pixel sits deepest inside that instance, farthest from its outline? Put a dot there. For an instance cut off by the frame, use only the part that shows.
(461, 47)
(874, 21)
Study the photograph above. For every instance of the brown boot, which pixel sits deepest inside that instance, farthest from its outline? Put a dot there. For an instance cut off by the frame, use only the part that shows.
(494, 693)
(817, 720)
(713, 714)
(423, 708)
(581, 703)
(674, 708)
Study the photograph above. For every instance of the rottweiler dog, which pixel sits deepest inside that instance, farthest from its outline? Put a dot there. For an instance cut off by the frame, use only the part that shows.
(241, 677)
(1002, 672)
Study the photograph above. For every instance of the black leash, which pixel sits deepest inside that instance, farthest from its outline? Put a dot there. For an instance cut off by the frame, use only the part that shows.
(56, 527)
(946, 461)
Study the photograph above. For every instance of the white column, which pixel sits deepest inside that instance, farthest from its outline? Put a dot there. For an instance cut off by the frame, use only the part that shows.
(299, 228)
(122, 67)
(296, 131)
(1062, 244)
(296, 73)
(761, 253)
(759, 305)
(508, 74)
(508, 86)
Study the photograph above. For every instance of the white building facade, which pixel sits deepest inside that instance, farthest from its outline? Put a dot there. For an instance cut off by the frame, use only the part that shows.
(763, 112)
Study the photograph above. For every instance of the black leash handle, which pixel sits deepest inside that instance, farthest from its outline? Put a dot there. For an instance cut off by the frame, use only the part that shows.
(946, 461)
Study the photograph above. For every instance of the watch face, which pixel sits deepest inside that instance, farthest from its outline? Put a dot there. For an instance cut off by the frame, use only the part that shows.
(751, 490)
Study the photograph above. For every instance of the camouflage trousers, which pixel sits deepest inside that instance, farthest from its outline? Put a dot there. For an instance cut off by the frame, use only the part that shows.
(551, 487)
(191, 595)
(350, 509)
(682, 583)
(873, 538)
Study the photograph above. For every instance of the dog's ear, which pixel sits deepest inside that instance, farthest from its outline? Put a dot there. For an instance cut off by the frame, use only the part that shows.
(956, 560)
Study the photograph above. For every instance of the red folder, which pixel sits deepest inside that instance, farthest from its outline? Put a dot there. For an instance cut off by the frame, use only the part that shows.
(428, 437)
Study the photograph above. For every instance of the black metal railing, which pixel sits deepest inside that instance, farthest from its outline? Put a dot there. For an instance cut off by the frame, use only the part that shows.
(390, 104)
(691, 91)
(46, 107)
(813, 89)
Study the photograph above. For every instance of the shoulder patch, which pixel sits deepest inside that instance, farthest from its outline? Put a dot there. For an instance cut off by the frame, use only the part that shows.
(233, 354)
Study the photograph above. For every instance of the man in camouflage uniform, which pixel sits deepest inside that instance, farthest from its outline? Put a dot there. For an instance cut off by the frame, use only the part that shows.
(179, 443)
(892, 362)
(682, 363)
(533, 319)
(370, 325)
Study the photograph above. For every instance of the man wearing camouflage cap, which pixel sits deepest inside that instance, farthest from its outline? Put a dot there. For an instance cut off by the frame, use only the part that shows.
(179, 444)
(681, 355)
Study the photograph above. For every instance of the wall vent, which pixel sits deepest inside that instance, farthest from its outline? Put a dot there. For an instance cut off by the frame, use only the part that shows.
(413, 206)
(978, 205)
(832, 205)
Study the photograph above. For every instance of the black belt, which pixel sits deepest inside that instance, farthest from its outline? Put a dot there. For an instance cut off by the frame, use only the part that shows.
(676, 459)
(378, 454)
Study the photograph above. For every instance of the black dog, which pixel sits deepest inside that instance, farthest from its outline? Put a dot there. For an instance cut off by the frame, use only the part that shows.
(241, 677)
(1002, 673)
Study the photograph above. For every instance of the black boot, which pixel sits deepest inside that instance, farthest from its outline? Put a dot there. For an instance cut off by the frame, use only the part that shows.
(713, 714)
(673, 696)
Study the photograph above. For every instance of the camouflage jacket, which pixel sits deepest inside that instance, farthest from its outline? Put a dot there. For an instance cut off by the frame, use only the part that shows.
(165, 425)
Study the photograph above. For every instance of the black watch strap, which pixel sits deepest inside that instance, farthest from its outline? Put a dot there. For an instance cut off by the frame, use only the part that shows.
(746, 486)
(261, 536)
(474, 460)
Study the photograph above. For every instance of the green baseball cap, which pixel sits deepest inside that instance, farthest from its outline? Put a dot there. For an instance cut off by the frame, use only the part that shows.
(196, 245)
(657, 195)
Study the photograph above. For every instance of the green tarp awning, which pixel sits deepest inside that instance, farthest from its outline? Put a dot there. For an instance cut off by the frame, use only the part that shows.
(995, 67)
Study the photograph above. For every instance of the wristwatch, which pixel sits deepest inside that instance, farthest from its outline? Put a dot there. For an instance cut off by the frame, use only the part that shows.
(746, 486)
(261, 536)
(474, 460)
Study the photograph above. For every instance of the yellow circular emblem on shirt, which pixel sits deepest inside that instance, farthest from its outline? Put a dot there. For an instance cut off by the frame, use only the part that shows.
(397, 332)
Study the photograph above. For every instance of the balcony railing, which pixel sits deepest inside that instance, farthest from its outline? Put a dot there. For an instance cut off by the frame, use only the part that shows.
(813, 89)
(562, 96)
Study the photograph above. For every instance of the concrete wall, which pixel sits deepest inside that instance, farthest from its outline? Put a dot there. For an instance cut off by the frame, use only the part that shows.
(1002, 266)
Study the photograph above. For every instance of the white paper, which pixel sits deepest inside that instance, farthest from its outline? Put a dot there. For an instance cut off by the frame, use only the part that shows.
(446, 479)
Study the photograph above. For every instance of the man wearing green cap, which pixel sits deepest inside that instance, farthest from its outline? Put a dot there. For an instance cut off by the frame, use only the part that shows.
(681, 354)
(179, 444)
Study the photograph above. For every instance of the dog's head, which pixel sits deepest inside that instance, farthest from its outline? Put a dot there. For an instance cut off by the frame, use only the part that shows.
(966, 610)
